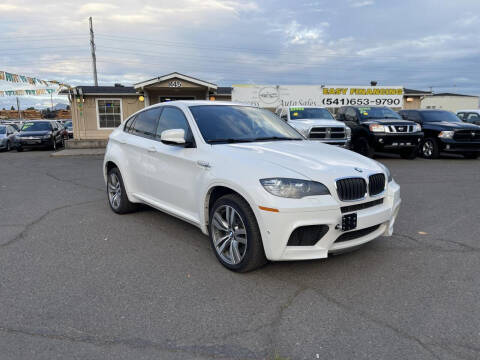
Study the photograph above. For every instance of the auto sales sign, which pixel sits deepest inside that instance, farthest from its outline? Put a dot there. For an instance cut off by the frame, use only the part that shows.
(272, 96)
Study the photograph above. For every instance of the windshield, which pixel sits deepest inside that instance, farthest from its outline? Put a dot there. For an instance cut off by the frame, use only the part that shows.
(300, 113)
(227, 124)
(368, 113)
(3, 130)
(439, 115)
(36, 126)
(68, 124)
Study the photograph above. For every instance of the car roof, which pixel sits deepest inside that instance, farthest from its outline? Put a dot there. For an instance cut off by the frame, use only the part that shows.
(469, 110)
(199, 102)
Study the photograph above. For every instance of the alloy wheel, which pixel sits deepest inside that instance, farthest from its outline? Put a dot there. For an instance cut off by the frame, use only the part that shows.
(427, 148)
(114, 190)
(229, 235)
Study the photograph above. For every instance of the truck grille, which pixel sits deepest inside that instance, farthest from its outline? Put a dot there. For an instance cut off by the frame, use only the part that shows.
(350, 189)
(400, 128)
(327, 133)
(376, 184)
(467, 135)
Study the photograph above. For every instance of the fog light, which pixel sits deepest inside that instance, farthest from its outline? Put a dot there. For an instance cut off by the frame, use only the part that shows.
(447, 147)
(380, 140)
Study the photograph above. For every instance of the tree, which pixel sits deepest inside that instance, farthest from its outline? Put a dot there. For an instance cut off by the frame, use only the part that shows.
(12, 108)
(31, 108)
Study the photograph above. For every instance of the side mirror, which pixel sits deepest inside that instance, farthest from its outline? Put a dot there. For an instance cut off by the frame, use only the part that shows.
(173, 136)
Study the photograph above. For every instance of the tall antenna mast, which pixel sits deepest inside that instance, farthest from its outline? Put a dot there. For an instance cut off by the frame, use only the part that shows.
(92, 48)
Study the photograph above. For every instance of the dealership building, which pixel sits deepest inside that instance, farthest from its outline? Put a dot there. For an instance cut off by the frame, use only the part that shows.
(97, 110)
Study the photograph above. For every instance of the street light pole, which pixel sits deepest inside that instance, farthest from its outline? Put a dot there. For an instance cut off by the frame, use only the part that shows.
(92, 49)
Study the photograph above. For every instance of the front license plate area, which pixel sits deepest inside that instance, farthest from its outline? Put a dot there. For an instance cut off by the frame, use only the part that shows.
(349, 222)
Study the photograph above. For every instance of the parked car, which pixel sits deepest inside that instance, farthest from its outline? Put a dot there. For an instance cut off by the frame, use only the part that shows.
(248, 180)
(469, 116)
(69, 126)
(7, 137)
(444, 131)
(316, 123)
(15, 125)
(381, 129)
(63, 129)
(40, 133)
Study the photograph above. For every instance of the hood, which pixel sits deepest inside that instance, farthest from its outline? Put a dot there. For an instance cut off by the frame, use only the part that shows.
(310, 159)
(308, 123)
(453, 125)
(33, 133)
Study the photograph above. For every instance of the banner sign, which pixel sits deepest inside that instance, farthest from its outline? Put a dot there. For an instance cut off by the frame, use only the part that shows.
(273, 96)
(20, 92)
(6, 76)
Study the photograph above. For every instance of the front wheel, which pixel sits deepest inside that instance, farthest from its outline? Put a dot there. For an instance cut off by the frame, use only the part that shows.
(430, 148)
(234, 234)
(54, 144)
(19, 148)
(117, 196)
(409, 154)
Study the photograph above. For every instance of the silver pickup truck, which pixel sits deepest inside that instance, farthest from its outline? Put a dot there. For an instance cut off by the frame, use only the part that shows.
(316, 123)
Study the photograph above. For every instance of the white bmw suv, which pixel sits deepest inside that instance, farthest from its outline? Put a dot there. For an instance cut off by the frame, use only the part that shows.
(249, 181)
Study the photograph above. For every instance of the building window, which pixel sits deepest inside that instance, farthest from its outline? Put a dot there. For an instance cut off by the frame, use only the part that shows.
(109, 113)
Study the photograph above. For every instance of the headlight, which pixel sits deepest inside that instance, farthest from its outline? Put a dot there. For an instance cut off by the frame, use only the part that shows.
(387, 171)
(47, 136)
(348, 131)
(377, 128)
(446, 134)
(417, 128)
(293, 188)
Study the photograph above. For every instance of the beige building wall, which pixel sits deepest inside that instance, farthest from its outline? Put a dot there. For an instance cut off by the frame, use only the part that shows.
(414, 103)
(85, 119)
(450, 103)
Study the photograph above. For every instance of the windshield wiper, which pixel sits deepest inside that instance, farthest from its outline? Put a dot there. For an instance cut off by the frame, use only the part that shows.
(228, 141)
(268, 138)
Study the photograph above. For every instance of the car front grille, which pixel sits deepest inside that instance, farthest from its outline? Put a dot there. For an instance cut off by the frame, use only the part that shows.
(467, 135)
(350, 189)
(327, 133)
(376, 184)
(307, 235)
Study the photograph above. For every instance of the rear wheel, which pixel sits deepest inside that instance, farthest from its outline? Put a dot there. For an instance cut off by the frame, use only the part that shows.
(117, 196)
(409, 154)
(19, 148)
(234, 234)
(430, 148)
(54, 144)
(471, 155)
(9, 147)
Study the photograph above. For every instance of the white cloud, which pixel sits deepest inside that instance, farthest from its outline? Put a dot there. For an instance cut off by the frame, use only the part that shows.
(298, 34)
(361, 3)
(96, 8)
(9, 7)
(468, 21)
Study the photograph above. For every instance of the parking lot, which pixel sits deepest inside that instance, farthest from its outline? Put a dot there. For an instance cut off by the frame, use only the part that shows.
(80, 282)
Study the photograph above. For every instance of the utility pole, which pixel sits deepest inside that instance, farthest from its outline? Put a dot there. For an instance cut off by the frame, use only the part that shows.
(18, 108)
(92, 48)
(51, 100)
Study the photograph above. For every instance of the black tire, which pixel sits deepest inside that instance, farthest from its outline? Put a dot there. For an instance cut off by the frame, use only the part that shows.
(19, 148)
(53, 146)
(409, 154)
(124, 205)
(9, 147)
(362, 147)
(429, 148)
(471, 155)
(254, 254)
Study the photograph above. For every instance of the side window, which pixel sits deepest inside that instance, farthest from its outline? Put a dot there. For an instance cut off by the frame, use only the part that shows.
(414, 116)
(350, 114)
(172, 118)
(461, 116)
(128, 124)
(473, 117)
(284, 115)
(146, 122)
(341, 114)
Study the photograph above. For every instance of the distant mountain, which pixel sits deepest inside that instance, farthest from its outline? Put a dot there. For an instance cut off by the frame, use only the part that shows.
(38, 102)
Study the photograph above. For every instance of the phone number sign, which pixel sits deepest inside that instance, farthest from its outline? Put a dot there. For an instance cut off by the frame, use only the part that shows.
(336, 96)
(272, 96)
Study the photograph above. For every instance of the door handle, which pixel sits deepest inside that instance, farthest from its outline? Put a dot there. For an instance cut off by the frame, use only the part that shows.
(204, 164)
(152, 149)
(122, 141)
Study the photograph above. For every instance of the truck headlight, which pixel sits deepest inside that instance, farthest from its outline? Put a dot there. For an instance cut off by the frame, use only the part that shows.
(348, 132)
(417, 128)
(377, 128)
(293, 188)
(446, 134)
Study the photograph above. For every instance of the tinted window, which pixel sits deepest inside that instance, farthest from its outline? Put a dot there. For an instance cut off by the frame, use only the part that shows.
(370, 113)
(36, 126)
(225, 123)
(146, 122)
(439, 115)
(299, 113)
(3, 129)
(461, 115)
(128, 124)
(414, 115)
(473, 117)
(350, 114)
(172, 118)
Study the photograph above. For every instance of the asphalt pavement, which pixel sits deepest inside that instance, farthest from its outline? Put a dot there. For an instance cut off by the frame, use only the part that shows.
(80, 282)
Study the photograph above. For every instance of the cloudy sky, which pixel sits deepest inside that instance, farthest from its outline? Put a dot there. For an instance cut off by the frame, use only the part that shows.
(417, 44)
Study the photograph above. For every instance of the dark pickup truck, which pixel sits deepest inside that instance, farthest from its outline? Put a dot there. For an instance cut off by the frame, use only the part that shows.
(381, 129)
(444, 131)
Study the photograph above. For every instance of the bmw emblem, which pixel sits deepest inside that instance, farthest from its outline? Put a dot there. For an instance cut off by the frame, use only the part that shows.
(359, 170)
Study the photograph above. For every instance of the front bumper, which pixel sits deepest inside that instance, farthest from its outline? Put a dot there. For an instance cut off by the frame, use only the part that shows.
(33, 142)
(277, 227)
(451, 145)
(397, 141)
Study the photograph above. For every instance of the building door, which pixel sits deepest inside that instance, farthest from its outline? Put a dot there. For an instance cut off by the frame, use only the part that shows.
(173, 98)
